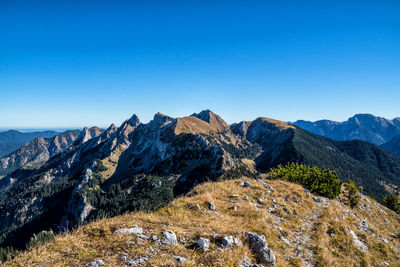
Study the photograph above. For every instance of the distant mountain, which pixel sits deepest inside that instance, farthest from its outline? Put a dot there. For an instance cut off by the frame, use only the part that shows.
(11, 140)
(143, 166)
(393, 145)
(376, 130)
(366, 164)
(38, 151)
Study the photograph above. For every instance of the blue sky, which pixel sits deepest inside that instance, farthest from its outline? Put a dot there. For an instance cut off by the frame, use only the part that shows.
(87, 63)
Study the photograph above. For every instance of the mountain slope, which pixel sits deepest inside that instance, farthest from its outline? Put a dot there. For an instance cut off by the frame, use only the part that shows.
(376, 130)
(144, 166)
(85, 182)
(393, 145)
(11, 140)
(37, 151)
(300, 230)
(368, 165)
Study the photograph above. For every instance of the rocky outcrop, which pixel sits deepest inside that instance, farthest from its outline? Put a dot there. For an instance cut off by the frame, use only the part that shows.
(229, 241)
(258, 244)
(78, 207)
(203, 244)
(135, 230)
(357, 241)
(169, 238)
(87, 134)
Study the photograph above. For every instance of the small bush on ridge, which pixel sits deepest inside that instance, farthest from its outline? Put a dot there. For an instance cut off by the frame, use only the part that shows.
(323, 181)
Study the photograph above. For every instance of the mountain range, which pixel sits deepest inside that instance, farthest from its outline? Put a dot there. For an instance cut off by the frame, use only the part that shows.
(39, 150)
(12, 139)
(144, 166)
(367, 127)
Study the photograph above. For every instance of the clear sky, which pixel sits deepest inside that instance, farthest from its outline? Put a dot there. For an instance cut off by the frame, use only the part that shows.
(85, 63)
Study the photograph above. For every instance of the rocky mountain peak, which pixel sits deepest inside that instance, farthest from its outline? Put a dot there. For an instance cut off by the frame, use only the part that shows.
(213, 119)
(39, 140)
(160, 120)
(267, 131)
(240, 129)
(396, 121)
(87, 134)
(134, 120)
(61, 141)
(204, 115)
(112, 128)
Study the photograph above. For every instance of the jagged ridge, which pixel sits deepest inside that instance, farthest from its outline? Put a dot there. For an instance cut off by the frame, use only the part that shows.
(123, 168)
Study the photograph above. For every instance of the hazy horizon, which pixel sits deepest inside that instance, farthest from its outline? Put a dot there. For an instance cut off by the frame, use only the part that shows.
(62, 129)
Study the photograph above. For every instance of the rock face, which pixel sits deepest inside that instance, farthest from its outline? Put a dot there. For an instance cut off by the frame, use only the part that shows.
(258, 244)
(246, 262)
(169, 238)
(231, 241)
(187, 147)
(135, 230)
(357, 241)
(203, 244)
(95, 263)
(211, 205)
(365, 127)
(87, 134)
(180, 259)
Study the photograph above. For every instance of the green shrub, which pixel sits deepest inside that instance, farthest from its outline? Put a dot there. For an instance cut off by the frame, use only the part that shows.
(352, 194)
(392, 202)
(41, 238)
(7, 253)
(323, 181)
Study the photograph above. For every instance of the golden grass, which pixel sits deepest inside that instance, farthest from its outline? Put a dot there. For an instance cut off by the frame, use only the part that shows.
(192, 125)
(295, 212)
(280, 124)
(250, 164)
(111, 163)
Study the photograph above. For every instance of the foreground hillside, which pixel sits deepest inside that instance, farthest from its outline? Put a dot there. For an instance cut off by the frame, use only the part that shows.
(300, 230)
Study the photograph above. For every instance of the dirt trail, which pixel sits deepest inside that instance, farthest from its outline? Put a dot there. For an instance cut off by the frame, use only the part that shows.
(302, 235)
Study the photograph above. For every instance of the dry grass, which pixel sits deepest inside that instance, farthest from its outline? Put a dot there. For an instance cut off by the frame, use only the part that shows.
(250, 164)
(193, 125)
(280, 124)
(111, 163)
(287, 206)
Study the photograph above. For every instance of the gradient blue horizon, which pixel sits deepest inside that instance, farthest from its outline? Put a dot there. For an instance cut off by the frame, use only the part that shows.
(85, 63)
